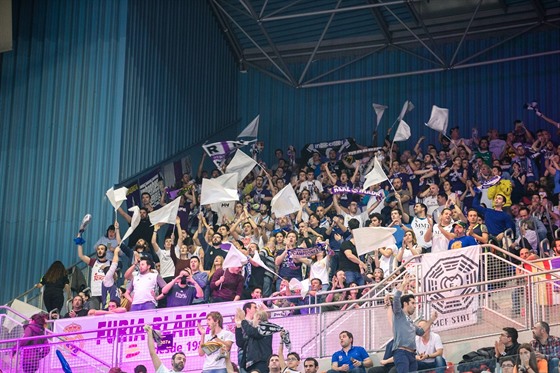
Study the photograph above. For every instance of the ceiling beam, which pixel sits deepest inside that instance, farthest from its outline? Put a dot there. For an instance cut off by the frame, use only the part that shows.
(430, 71)
(226, 28)
(416, 36)
(317, 45)
(286, 74)
(346, 64)
(339, 10)
(539, 9)
(465, 33)
(272, 45)
(381, 21)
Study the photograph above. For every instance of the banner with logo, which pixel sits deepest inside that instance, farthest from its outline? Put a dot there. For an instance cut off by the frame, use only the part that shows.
(179, 333)
(339, 146)
(445, 270)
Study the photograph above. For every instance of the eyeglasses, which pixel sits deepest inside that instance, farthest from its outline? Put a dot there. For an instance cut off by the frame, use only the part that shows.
(292, 359)
(507, 366)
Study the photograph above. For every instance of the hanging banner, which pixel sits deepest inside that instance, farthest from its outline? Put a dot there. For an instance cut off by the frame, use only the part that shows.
(449, 269)
(339, 146)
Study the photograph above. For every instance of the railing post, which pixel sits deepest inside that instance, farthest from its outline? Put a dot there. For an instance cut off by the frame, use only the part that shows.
(18, 352)
(115, 361)
(529, 311)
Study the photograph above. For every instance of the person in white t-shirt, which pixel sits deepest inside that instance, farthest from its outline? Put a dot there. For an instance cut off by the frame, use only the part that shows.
(440, 233)
(429, 350)
(177, 360)
(214, 362)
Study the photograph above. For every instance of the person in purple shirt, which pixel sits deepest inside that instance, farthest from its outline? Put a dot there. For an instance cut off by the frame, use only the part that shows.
(226, 285)
(182, 290)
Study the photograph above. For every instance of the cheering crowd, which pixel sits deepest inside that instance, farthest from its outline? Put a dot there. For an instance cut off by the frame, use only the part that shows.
(438, 197)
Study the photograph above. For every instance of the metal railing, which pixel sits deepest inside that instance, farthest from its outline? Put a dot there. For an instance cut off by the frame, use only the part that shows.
(504, 300)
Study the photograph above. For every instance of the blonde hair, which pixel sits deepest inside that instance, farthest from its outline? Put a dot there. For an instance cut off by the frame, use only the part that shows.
(259, 316)
(213, 269)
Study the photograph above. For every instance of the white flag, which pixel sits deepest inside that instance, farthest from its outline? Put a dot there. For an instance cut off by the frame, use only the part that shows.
(167, 214)
(376, 175)
(133, 223)
(241, 164)
(234, 258)
(252, 129)
(285, 202)
(379, 110)
(220, 189)
(257, 259)
(116, 197)
(438, 119)
(407, 106)
(370, 238)
(302, 286)
(403, 132)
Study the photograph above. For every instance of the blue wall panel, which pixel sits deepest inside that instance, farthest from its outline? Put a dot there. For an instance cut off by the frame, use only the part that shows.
(60, 112)
(484, 96)
(180, 81)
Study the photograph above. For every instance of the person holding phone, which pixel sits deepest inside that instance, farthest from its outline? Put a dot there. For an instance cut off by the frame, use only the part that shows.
(182, 290)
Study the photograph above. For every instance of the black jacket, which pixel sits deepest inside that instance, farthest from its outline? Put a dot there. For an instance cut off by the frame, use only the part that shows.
(256, 347)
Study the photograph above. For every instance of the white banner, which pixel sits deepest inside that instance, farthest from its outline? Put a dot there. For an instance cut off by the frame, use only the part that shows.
(179, 334)
(444, 270)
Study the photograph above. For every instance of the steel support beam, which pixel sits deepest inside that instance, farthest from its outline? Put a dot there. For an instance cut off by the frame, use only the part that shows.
(465, 33)
(286, 74)
(329, 11)
(430, 71)
(312, 56)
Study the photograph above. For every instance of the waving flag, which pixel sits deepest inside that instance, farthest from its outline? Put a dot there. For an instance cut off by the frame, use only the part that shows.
(379, 110)
(220, 189)
(252, 129)
(371, 238)
(439, 119)
(407, 107)
(116, 197)
(133, 222)
(376, 175)
(285, 202)
(219, 151)
(241, 164)
(167, 214)
(403, 132)
(234, 258)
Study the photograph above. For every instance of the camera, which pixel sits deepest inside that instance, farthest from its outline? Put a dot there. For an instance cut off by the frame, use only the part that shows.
(184, 280)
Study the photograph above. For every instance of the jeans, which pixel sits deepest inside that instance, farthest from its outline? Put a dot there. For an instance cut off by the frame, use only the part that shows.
(354, 370)
(439, 365)
(267, 287)
(224, 370)
(553, 365)
(143, 306)
(405, 361)
(354, 277)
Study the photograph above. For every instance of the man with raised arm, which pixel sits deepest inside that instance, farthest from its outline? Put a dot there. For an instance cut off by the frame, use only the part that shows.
(177, 360)
(404, 330)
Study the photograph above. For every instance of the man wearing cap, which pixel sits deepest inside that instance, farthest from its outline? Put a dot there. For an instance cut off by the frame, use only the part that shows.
(460, 240)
